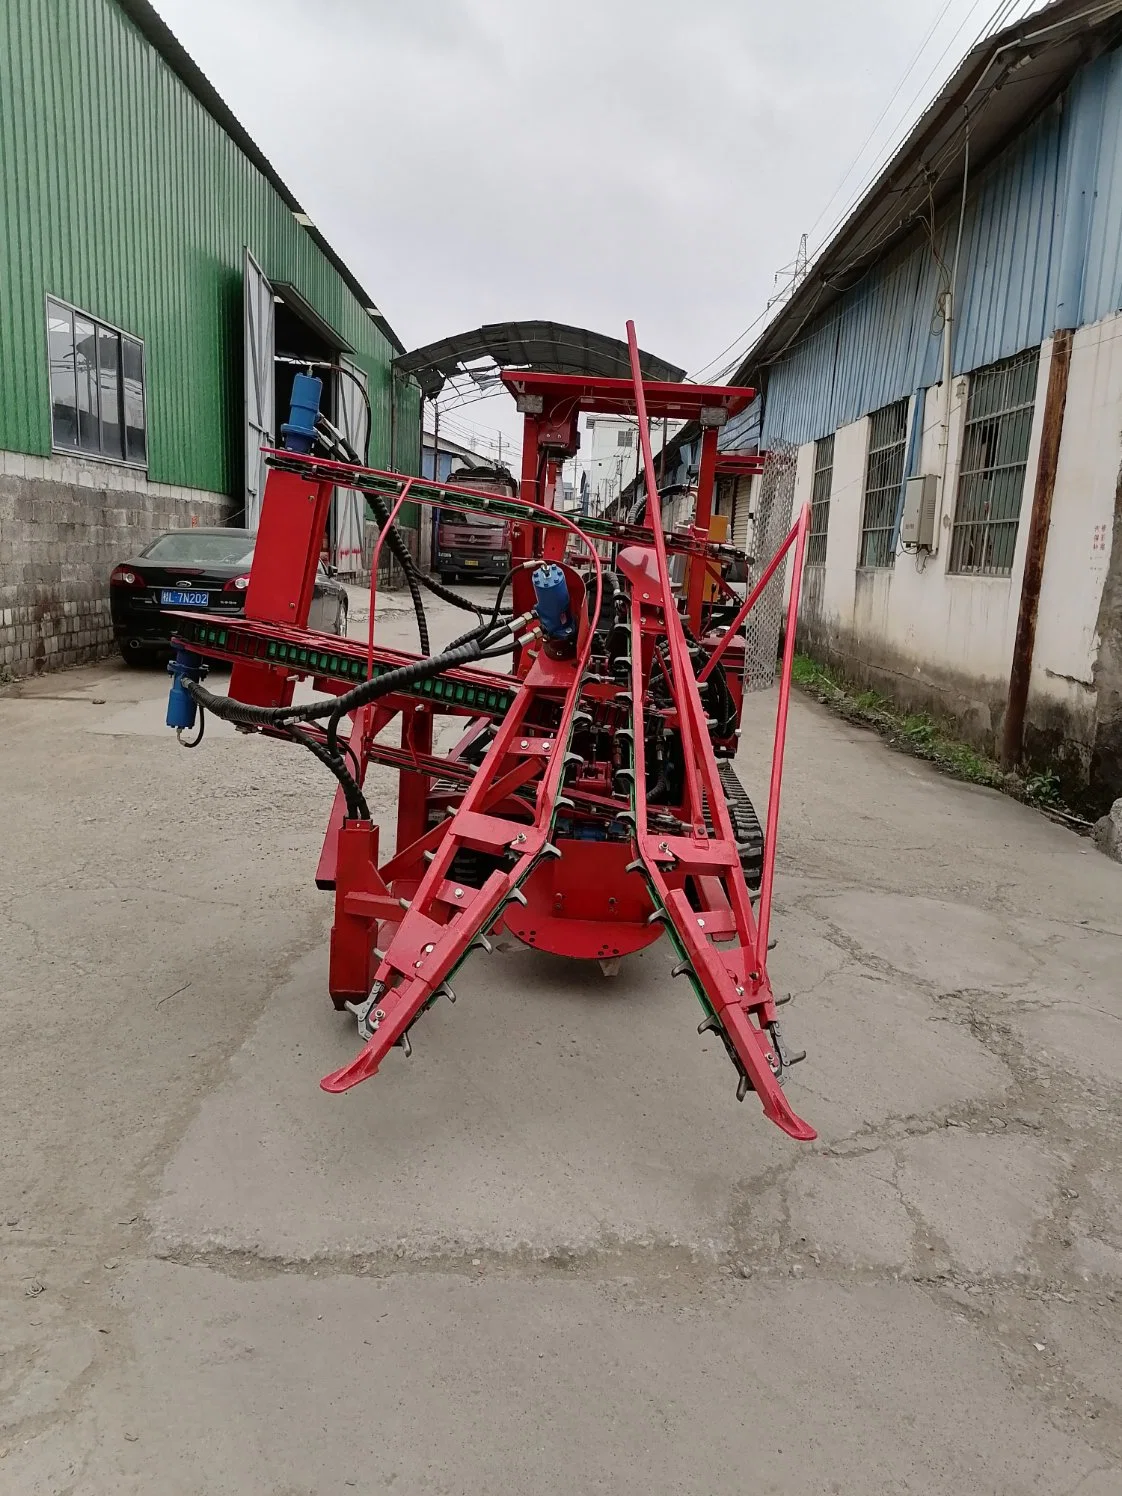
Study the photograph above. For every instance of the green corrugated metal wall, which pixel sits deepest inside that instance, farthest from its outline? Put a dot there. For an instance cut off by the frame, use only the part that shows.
(122, 195)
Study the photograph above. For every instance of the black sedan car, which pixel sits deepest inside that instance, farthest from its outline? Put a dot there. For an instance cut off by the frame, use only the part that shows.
(199, 569)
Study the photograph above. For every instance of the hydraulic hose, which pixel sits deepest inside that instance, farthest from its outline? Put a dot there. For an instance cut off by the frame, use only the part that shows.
(357, 808)
(333, 437)
(244, 715)
(414, 576)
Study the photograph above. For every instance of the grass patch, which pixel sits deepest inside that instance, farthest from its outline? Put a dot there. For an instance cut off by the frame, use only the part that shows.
(924, 736)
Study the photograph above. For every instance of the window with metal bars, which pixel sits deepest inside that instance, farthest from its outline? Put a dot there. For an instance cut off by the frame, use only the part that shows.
(884, 475)
(991, 475)
(820, 501)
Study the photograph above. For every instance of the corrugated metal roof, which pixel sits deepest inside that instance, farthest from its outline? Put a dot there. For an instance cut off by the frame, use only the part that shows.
(124, 196)
(552, 347)
(160, 36)
(1041, 247)
(1002, 85)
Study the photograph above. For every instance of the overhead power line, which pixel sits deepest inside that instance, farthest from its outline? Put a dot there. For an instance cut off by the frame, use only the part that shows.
(1003, 14)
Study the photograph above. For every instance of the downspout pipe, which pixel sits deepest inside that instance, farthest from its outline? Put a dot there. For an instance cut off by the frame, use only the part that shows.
(1020, 674)
(1086, 115)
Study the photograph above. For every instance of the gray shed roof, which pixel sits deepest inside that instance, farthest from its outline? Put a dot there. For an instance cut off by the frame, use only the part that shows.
(553, 347)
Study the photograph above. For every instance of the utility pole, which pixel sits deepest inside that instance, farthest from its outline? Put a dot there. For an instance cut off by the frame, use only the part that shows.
(500, 449)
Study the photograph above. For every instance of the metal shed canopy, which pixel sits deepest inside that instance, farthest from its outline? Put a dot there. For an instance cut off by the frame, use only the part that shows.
(553, 347)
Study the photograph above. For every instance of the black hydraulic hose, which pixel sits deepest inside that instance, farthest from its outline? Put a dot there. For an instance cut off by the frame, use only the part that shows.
(357, 808)
(414, 576)
(341, 447)
(400, 679)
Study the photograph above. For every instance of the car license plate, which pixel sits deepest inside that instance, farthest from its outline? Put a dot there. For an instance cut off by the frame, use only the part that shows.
(173, 598)
(470, 561)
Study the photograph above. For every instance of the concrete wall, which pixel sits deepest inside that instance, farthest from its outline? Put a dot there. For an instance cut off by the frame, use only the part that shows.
(945, 642)
(64, 525)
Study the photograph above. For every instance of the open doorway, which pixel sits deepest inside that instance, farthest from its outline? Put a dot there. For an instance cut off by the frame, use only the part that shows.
(297, 338)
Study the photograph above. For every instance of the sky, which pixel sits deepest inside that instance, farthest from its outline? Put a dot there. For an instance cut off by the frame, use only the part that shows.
(485, 160)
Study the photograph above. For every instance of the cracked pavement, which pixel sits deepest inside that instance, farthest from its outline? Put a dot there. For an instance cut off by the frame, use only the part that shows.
(550, 1253)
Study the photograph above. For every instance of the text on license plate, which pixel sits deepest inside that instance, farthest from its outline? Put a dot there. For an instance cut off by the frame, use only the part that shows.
(470, 561)
(173, 598)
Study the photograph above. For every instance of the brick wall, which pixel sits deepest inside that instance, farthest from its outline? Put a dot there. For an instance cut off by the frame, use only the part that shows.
(64, 525)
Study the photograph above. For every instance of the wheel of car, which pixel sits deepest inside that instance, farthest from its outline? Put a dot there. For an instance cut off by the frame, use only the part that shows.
(134, 658)
(341, 621)
(447, 577)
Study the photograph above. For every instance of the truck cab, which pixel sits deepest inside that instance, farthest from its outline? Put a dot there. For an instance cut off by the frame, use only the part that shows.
(471, 545)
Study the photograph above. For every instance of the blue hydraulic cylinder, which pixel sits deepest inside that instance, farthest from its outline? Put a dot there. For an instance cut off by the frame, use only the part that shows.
(299, 431)
(555, 612)
(181, 707)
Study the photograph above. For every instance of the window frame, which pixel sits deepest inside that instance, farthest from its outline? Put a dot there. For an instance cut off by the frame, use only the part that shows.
(867, 531)
(984, 531)
(625, 438)
(816, 554)
(99, 323)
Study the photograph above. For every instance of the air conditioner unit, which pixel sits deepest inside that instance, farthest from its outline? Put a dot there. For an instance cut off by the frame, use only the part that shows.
(917, 523)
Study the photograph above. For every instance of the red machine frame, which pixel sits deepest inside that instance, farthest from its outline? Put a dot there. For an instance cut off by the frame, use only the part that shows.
(511, 829)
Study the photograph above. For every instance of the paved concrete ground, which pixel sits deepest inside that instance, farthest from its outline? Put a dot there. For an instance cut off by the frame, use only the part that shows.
(550, 1253)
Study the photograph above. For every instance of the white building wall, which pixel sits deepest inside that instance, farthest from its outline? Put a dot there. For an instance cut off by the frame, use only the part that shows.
(1079, 537)
(610, 467)
(949, 636)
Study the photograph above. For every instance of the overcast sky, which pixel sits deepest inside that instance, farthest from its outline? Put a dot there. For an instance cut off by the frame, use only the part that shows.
(481, 160)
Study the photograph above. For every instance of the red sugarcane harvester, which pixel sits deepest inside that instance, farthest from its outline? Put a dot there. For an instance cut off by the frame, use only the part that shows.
(589, 806)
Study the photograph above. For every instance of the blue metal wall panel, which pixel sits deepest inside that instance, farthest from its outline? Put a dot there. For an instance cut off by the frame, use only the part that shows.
(742, 430)
(1100, 87)
(1054, 194)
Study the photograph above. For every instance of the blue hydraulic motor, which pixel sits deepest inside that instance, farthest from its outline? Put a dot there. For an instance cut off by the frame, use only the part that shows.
(299, 431)
(555, 612)
(181, 706)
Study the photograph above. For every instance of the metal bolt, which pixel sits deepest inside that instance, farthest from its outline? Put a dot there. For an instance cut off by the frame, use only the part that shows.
(664, 846)
(701, 922)
(524, 743)
(459, 893)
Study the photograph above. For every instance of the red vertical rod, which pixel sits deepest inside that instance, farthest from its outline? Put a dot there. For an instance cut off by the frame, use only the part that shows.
(382, 533)
(688, 704)
(703, 513)
(780, 738)
(748, 604)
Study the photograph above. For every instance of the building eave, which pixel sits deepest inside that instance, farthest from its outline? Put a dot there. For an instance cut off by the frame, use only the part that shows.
(999, 88)
(160, 36)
